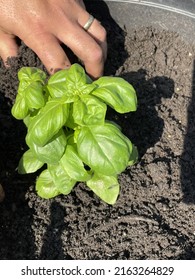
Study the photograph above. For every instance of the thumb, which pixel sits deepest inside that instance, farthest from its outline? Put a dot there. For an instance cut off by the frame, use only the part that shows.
(8, 46)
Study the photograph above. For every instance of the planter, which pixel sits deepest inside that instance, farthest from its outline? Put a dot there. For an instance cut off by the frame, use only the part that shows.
(154, 214)
(172, 15)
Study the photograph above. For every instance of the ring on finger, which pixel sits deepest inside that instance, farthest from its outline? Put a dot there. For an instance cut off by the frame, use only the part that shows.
(89, 22)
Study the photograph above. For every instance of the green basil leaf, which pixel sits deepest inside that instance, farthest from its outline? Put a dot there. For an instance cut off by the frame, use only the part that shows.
(103, 148)
(78, 82)
(30, 91)
(70, 139)
(57, 85)
(47, 123)
(20, 109)
(76, 79)
(69, 83)
(133, 155)
(117, 93)
(62, 180)
(106, 187)
(29, 163)
(31, 86)
(73, 165)
(70, 123)
(27, 120)
(30, 74)
(89, 110)
(34, 95)
(87, 89)
(52, 152)
(45, 186)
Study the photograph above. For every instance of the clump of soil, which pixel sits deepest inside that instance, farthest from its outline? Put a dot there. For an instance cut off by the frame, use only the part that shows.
(154, 215)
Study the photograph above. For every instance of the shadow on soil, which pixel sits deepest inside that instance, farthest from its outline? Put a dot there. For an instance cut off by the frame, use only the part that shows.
(145, 127)
(188, 157)
(52, 248)
(16, 218)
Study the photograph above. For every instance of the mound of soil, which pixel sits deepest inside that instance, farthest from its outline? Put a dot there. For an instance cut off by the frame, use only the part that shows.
(154, 215)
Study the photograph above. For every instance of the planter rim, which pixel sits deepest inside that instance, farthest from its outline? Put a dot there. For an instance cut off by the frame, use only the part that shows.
(171, 15)
(178, 8)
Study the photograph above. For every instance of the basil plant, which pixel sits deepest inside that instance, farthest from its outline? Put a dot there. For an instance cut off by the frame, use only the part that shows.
(68, 135)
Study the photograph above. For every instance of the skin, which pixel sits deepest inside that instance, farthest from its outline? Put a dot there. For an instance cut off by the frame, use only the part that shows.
(43, 25)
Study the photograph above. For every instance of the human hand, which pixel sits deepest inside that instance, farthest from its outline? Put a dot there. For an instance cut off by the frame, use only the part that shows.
(44, 25)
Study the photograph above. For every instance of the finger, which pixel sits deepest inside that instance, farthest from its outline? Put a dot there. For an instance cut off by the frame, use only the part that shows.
(49, 50)
(81, 3)
(86, 48)
(98, 32)
(8, 47)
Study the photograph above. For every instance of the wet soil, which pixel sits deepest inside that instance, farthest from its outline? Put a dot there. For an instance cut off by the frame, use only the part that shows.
(154, 217)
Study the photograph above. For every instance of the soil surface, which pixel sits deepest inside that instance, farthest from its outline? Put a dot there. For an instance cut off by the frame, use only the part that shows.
(154, 214)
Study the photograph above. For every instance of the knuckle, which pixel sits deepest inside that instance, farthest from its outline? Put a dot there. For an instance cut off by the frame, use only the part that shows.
(96, 54)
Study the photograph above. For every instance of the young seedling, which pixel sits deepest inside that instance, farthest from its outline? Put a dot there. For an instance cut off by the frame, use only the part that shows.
(67, 130)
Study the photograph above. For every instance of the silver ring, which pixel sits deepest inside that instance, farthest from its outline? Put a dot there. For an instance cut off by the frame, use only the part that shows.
(89, 22)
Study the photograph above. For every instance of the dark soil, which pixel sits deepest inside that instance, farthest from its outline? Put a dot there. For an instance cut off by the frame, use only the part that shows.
(154, 215)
